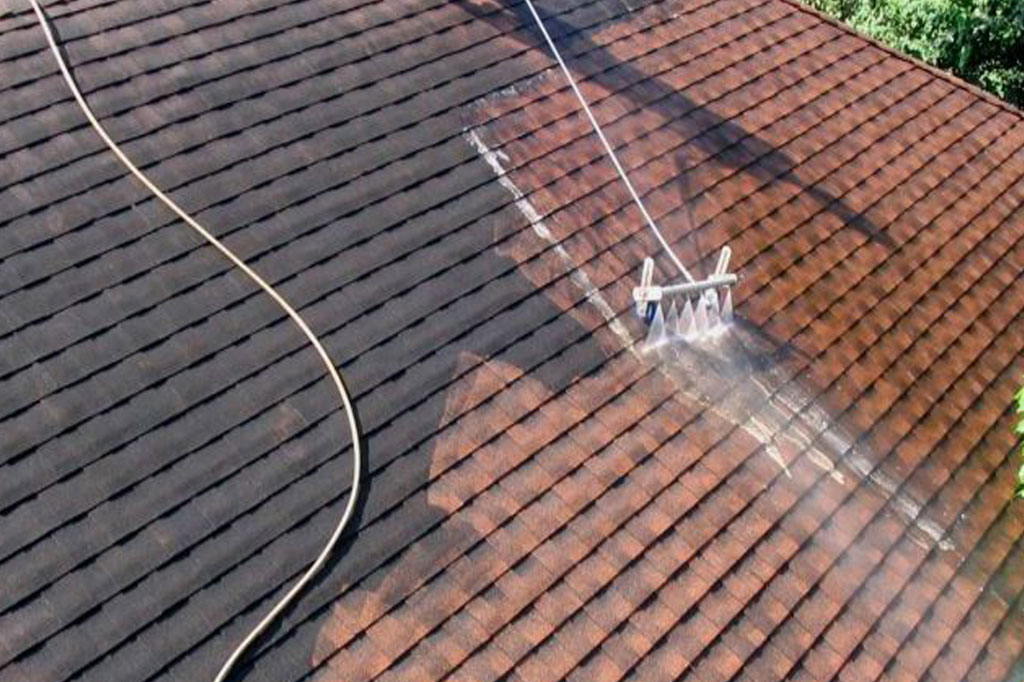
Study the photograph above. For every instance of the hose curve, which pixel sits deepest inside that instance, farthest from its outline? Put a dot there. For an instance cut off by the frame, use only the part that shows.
(295, 317)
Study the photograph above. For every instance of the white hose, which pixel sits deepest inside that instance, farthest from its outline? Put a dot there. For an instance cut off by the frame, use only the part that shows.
(607, 147)
(295, 317)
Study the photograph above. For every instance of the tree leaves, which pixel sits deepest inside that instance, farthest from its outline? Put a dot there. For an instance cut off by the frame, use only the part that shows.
(981, 41)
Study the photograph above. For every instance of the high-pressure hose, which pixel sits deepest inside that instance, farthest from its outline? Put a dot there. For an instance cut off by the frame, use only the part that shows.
(339, 384)
(343, 393)
(609, 150)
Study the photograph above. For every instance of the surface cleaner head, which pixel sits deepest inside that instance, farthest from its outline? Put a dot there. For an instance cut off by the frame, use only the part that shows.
(688, 311)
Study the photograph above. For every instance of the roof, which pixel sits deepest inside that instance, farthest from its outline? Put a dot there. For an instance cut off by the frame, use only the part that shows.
(824, 494)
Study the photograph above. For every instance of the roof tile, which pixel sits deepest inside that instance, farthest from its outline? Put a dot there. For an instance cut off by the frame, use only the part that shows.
(545, 502)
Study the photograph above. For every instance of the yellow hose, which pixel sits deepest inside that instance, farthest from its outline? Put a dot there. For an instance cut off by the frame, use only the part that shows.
(343, 393)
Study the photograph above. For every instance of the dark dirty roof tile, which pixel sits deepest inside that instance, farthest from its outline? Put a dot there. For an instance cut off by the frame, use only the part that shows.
(543, 501)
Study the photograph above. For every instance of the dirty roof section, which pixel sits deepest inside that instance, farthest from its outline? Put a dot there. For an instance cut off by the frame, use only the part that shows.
(822, 493)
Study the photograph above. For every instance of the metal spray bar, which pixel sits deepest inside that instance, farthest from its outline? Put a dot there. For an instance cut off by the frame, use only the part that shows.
(705, 310)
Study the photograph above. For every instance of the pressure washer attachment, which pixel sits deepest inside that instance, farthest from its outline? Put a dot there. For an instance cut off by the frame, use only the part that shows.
(697, 310)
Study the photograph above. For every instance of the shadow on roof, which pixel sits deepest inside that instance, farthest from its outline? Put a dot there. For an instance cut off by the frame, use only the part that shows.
(724, 140)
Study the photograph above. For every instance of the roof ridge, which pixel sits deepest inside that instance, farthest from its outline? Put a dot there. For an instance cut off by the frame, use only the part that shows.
(934, 70)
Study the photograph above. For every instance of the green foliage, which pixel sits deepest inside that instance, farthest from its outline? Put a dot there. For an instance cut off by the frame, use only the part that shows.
(981, 41)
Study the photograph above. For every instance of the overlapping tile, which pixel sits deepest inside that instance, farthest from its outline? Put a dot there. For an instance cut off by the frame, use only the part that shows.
(545, 501)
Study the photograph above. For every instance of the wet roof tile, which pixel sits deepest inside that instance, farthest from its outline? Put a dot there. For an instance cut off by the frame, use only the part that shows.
(545, 500)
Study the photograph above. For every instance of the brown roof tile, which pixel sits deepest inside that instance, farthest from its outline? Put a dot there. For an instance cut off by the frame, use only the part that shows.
(546, 500)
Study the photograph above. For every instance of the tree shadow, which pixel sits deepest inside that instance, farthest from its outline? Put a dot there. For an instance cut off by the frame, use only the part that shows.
(406, 527)
(716, 137)
(370, 564)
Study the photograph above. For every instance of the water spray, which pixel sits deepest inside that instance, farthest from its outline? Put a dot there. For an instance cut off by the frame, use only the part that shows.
(696, 310)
